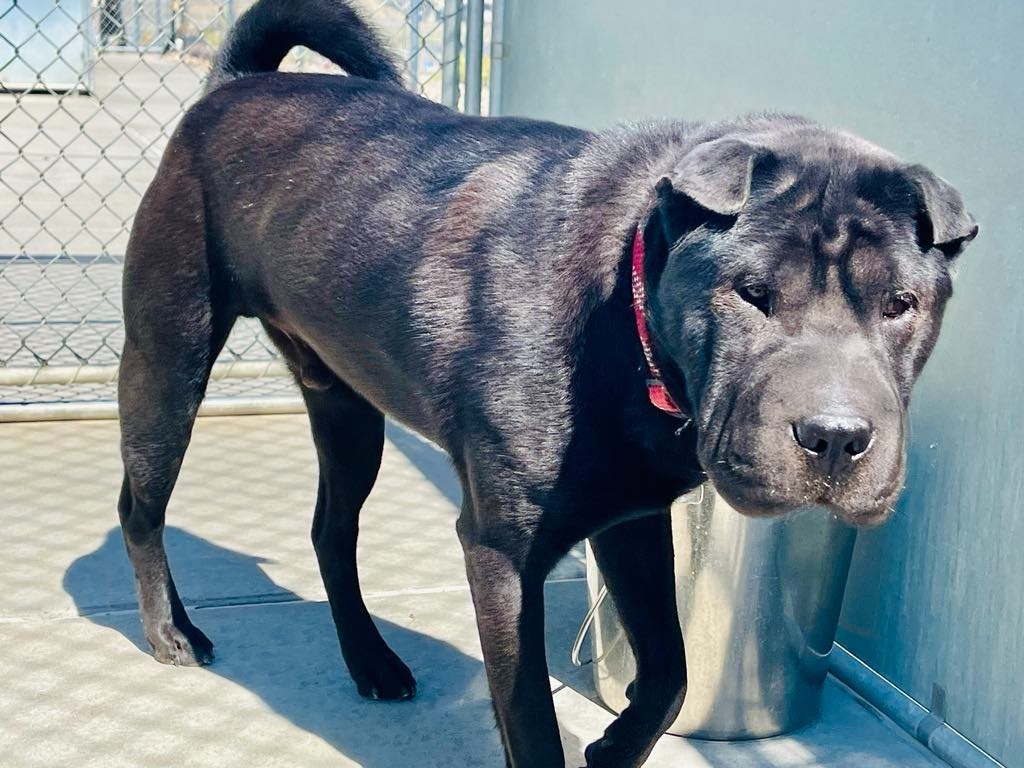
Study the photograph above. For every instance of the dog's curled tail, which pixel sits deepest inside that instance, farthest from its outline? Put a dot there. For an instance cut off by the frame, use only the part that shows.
(265, 33)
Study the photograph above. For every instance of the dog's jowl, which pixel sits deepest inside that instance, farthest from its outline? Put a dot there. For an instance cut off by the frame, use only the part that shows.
(589, 324)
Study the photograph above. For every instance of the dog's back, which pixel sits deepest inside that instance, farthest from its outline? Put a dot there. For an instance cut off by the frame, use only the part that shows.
(336, 208)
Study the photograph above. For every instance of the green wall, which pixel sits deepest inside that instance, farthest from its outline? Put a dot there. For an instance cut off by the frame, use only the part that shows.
(937, 596)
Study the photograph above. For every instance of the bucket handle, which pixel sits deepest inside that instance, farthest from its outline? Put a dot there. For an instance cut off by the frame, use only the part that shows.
(581, 636)
(588, 620)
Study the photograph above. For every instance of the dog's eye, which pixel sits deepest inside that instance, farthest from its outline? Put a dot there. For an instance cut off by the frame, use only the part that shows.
(897, 304)
(758, 294)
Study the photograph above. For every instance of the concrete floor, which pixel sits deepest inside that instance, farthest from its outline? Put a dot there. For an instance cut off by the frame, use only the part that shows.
(79, 689)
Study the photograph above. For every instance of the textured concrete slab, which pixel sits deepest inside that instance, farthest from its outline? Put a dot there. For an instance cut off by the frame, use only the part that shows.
(79, 689)
(276, 696)
(246, 494)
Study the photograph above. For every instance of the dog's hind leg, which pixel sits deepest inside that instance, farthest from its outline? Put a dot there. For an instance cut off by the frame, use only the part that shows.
(349, 437)
(175, 326)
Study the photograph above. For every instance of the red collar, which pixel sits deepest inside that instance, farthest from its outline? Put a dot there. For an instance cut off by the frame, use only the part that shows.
(657, 392)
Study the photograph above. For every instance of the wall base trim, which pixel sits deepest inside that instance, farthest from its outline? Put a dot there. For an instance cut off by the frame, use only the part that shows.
(919, 722)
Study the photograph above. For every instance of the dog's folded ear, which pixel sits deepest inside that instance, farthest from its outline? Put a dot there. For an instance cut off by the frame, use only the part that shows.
(717, 175)
(711, 182)
(714, 178)
(942, 221)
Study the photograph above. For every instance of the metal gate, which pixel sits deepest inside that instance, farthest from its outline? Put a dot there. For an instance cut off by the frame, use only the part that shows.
(90, 92)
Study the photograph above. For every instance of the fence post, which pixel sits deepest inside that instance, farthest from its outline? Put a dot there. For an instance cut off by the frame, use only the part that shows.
(412, 20)
(498, 51)
(89, 47)
(136, 24)
(451, 53)
(158, 22)
(474, 55)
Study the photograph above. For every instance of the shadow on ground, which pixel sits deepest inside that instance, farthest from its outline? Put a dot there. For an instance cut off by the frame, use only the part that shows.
(430, 460)
(285, 651)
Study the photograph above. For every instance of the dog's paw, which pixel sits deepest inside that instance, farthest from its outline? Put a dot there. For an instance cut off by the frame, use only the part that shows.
(182, 647)
(606, 753)
(383, 676)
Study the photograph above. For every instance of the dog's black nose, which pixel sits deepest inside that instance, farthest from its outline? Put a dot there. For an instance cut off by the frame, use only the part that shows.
(833, 442)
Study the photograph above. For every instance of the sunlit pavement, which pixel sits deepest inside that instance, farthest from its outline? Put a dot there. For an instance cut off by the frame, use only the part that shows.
(77, 688)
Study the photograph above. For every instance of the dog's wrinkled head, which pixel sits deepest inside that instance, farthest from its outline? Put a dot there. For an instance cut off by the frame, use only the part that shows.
(800, 288)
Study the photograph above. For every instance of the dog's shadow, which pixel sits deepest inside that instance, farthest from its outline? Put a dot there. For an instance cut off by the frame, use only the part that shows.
(286, 653)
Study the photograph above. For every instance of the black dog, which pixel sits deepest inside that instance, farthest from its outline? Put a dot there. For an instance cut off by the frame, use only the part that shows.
(588, 324)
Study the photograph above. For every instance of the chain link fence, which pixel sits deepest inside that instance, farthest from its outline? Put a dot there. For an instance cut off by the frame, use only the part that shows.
(90, 92)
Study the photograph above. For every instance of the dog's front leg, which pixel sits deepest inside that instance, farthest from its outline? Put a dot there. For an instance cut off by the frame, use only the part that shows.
(506, 567)
(636, 561)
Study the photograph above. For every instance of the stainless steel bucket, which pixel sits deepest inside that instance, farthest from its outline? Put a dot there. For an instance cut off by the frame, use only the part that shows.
(758, 605)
